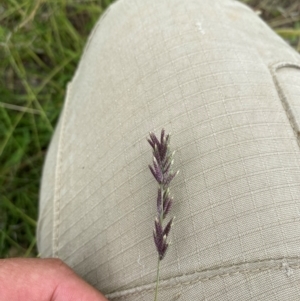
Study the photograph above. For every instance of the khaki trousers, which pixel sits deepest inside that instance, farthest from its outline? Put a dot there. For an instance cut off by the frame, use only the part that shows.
(228, 88)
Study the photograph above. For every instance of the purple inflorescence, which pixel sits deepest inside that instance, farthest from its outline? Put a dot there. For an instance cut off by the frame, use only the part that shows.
(162, 172)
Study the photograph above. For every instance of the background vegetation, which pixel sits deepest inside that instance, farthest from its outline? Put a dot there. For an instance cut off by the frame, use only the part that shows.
(40, 44)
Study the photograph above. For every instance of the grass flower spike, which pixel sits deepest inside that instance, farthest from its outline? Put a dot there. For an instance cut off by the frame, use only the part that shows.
(163, 174)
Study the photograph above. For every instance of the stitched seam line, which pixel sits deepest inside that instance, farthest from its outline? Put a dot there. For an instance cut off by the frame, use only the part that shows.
(58, 168)
(284, 264)
(273, 69)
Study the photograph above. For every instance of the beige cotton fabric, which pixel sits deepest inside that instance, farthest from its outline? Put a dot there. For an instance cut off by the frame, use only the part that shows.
(228, 88)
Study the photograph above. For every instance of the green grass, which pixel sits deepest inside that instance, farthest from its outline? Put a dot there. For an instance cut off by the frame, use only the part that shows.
(40, 45)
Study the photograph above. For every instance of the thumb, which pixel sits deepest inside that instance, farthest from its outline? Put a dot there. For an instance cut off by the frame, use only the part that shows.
(43, 280)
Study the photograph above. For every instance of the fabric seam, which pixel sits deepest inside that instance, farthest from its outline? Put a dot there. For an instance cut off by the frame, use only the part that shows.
(58, 168)
(64, 116)
(285, 264)
(273, 69)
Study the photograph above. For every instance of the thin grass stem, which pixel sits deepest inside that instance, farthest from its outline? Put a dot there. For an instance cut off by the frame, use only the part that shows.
(157, 279)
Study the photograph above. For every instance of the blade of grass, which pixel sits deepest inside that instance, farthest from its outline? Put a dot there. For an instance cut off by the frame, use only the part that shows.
(288, 32)
(20, 71)
(16, 211)
(19, 108)
(11, 241)
(56, 70)
(30, 248)
(31, 15)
